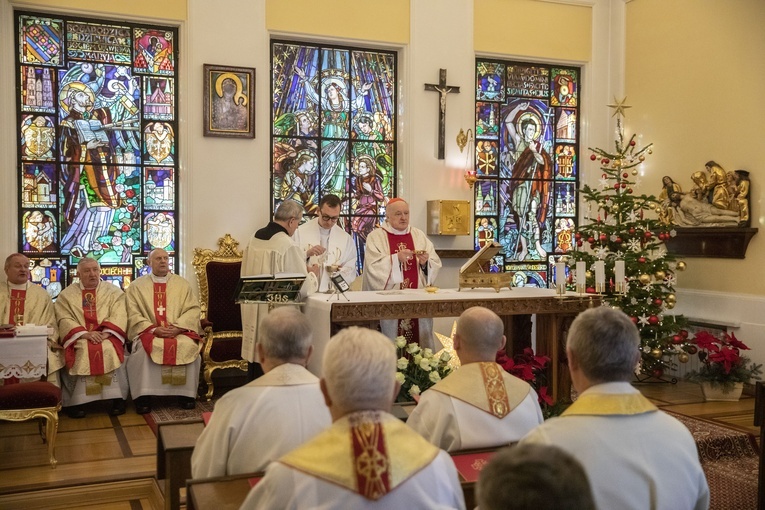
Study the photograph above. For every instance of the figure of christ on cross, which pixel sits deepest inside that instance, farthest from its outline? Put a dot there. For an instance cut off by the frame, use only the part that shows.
(442, 88)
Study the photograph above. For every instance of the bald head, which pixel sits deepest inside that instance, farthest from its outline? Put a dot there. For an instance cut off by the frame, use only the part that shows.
(17, 268)
(479, 335)
(159, 261)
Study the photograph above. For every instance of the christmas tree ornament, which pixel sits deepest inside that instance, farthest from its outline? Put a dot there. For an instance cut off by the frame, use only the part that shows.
(659, 275)
(683, 357)
(593, 157)
(645, 279)
(692, 349)
(657, 373)
(670, 306)
(625, 175)
(671, 298)
(683, 333)
(653, 320)
(677, 339)
(657, 302)
(634, 172)
(656, 353)
(681, 266)
(641, 260)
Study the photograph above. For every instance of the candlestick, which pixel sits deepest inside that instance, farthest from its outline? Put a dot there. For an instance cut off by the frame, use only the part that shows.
(619, 276)
(560, 277)
(581, 277)
(600, 276)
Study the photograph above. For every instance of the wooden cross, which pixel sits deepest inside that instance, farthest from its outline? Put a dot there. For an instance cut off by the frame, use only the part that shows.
(442, 88)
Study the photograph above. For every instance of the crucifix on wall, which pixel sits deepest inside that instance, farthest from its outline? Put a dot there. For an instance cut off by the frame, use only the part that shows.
(442, 88)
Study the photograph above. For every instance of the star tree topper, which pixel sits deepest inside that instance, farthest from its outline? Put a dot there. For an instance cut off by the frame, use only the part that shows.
(619, 106)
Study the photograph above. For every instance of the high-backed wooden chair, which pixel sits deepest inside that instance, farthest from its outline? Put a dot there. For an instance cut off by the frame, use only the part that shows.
(217, 275)
(34, 400)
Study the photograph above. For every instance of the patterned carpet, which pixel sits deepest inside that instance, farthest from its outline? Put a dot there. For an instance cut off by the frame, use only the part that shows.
(730, 460)
(166, 409)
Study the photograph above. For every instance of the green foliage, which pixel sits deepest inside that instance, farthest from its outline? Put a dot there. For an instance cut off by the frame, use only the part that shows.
(722, 361)
(418, 369)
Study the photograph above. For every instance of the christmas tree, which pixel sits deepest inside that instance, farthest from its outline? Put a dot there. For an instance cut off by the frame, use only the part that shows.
(622, 227)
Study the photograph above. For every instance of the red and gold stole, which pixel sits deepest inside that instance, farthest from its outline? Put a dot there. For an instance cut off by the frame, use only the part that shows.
(16, 312)
(170, 347)
(408, 328)
(95, 351)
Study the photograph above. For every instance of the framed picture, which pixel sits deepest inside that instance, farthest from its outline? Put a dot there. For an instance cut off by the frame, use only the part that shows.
(229, 101)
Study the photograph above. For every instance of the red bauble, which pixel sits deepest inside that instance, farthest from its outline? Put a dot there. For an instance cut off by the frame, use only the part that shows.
(634, 320)
(606, 161)
(653, 320)
(683, 333)
(579, 243)
(657, 372)
(590, 239)
(616, 185)
(577, 236)
(632, 231)
(677, 339)
(629, 190)
(625, 175)
(647, 235)
(691, 349)
(624, 185)
(590, 290)
(605, 176)
(641, 260)
(632, 143)
(657, 302)
(603, 238)
(618, 240)
(593, 157)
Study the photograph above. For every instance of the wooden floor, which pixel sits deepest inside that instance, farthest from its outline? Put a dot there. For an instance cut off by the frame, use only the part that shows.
(109, 463)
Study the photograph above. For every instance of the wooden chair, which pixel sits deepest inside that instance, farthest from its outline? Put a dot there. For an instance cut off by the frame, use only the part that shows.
(33, 400)
(759, 421)
(217, 275)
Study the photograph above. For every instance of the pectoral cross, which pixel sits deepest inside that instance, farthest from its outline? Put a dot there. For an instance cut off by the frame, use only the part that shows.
(442, 88)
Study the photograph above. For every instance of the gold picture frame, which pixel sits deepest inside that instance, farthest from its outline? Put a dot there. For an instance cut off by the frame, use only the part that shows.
(229, 101)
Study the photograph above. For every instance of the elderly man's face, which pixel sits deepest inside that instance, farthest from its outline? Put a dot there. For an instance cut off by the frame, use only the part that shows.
(159, 261)
(90, 274)
(398, 215)
(17, 270)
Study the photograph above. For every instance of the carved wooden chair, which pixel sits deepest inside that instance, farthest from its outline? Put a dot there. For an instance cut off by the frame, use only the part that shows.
(34, 400)
(217, 275)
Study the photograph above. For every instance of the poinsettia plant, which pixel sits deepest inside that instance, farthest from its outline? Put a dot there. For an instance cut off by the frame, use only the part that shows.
(418, 369)
(722, 363)
(533, 369)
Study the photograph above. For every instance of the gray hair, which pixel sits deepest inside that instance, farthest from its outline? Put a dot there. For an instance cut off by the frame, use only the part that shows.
(605, 343)
(287, 210)
(12, 256)
(285, 334)
(359, 370)
(534, 477)
(84, 261)
(481, 331)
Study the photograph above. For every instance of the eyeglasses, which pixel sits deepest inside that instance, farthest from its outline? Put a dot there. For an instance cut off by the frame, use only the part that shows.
(329, 218)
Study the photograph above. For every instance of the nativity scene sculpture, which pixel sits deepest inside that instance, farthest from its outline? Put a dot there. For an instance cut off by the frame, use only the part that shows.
(716, 199)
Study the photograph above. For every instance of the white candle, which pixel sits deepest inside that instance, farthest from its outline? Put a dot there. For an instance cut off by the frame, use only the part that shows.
(600, 273)
(619, 271)
(560, 273)
(581, 273)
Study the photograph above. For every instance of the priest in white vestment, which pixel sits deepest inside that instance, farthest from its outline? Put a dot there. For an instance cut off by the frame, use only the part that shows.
(367, 458)
(272, 415)
(399, 256)
(635, 455)
(271, 250)
(163, 328)
(479, 405)
(326, 244)
(92, 320)
(23, 302)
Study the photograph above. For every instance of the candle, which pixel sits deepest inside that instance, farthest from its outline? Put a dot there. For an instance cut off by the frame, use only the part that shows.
(581, 273)
(619, 271)
(560, 273)
(600, 274)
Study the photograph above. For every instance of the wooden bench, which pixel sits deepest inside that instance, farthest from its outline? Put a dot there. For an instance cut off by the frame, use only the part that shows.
(175, 444)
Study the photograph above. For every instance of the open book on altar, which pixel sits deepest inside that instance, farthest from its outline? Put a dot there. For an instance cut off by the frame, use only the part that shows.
(270, 288)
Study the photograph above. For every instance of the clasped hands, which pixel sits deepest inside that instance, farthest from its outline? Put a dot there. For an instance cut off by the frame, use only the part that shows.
(405, 256)
(167, 331)
(96, 337)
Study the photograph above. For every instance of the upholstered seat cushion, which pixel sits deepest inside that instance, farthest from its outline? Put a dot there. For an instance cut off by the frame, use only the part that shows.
(224, 349)
(222, 278)
(32, 395)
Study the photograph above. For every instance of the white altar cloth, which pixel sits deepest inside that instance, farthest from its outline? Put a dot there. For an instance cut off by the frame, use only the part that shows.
(23, 357)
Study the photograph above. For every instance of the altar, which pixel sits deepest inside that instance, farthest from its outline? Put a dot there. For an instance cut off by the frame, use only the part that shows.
(554, 314)
(23, 357)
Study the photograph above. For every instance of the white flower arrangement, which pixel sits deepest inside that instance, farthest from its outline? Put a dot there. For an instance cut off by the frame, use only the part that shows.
(418, 369)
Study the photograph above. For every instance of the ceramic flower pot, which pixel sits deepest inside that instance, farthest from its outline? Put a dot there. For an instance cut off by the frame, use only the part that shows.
(716, 393)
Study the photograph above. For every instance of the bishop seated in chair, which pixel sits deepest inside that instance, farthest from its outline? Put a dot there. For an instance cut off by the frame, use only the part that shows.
(163, 325)
(92, 320)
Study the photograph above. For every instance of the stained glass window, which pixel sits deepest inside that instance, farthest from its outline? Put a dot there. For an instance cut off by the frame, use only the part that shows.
(526, 147)
(334, 131)
(98, 152)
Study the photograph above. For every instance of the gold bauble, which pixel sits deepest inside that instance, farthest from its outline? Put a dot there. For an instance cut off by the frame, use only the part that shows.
(659, 275)
(652, 206)
(683, 357)
(671, 298)
(588, 274)
(645, 279)
(681, 266)
(656, 353)
(650, 151)
(641, 158)
(634, 172)
(669, 305)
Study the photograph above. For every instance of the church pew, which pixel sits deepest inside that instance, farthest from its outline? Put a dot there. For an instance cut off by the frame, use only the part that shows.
(175, 444)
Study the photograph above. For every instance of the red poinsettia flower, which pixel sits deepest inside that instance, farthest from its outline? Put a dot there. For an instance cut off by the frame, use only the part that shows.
(544, 397)
(735, 342)
(727, 356)
(705, 340)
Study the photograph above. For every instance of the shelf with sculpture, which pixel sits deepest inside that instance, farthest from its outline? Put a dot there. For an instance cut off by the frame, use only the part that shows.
(712, 219)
